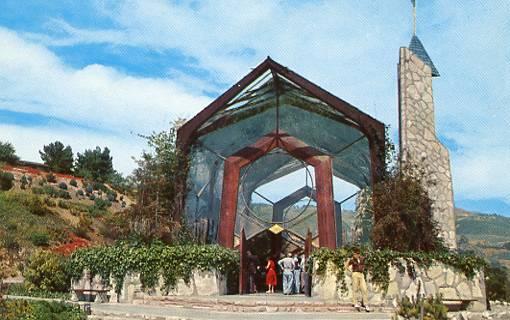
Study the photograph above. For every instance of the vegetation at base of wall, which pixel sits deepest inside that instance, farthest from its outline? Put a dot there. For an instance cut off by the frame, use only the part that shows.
(378, 261)
(433, 308)
(21, 290)
(39, 310)
(497, 282)
(152, 261)
(47, 271)
(402, 211)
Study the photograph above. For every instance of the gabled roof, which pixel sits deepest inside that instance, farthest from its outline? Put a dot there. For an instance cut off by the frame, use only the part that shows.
(371, 127)
(418, 49)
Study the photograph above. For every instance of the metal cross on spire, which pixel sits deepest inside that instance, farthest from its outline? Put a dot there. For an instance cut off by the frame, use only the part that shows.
(414, 16)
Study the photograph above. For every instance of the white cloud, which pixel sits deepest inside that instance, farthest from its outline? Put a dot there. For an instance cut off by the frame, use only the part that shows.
(34, 80)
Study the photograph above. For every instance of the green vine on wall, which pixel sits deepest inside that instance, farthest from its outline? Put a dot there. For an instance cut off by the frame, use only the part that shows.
(172, 263)
(377, 262)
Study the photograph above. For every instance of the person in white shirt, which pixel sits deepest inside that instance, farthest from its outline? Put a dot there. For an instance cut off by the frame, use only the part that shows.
(287, 265)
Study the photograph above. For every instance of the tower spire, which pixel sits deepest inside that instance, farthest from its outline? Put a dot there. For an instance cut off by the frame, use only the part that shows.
(414, 16)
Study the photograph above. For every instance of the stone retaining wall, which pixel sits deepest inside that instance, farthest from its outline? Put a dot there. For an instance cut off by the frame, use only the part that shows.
(208, 283)
(437, 279)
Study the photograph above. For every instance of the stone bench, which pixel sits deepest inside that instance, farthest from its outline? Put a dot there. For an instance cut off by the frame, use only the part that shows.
(101, 295)
(454, 304)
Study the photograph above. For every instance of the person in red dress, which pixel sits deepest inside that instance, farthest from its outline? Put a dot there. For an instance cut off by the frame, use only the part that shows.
(270, 275)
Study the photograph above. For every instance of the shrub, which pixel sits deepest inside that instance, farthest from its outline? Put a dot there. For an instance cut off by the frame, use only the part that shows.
(62, 185)
(80, 193)
(17, 309)
(18, 289)
(92, 197)
(46, 271)
(99, 208)
(99, 186)
(63, 204)
(102, 204)
(50, 202)
(433, 308)
(403, 212)
(24, 182)
(111, 195)
(40, 239)
(33, 203)
(74, 183)
(6, 180)
(10, 243)
(89, 188)
(83, 227)
(7, 266)
(50, 177)
(497, 282)
(63, 194)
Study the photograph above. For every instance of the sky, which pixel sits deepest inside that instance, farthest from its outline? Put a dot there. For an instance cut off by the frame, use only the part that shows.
(98, 73)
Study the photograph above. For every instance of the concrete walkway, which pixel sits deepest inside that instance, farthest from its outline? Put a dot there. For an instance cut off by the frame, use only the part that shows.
(129, 311)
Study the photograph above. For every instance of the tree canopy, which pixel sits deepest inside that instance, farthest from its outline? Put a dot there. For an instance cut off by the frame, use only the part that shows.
(57, 157)
(155, 215)
(403, 218)
(8, 153)
(95, 164)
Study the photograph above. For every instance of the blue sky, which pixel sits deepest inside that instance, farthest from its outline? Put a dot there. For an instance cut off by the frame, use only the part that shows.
(93, 73)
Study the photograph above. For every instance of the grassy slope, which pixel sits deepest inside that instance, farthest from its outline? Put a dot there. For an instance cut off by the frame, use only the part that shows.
(21, 221)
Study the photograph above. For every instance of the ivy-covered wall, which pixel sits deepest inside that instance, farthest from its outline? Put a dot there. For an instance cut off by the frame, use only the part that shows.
(391, 275)
(155, 269)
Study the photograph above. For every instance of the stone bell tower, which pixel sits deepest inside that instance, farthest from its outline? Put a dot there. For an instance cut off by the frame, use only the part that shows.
(417, 132)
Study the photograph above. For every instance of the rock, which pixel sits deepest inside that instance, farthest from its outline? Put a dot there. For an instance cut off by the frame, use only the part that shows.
(464, 290)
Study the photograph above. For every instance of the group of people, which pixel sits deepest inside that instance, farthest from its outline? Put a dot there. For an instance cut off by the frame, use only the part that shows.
(292, 268)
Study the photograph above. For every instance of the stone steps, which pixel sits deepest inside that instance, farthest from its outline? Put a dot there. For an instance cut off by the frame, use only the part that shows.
(129, 316)
(254, 305)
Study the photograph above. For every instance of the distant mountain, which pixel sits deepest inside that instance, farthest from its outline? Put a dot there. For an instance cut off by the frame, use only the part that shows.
(487, 229)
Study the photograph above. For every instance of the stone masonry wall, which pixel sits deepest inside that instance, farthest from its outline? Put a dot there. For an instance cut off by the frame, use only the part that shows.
(438, 279)
(418, 141)
(208, 283)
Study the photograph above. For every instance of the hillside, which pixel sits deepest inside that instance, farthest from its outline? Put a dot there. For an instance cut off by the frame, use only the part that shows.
(486, 234)
(54, 211)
